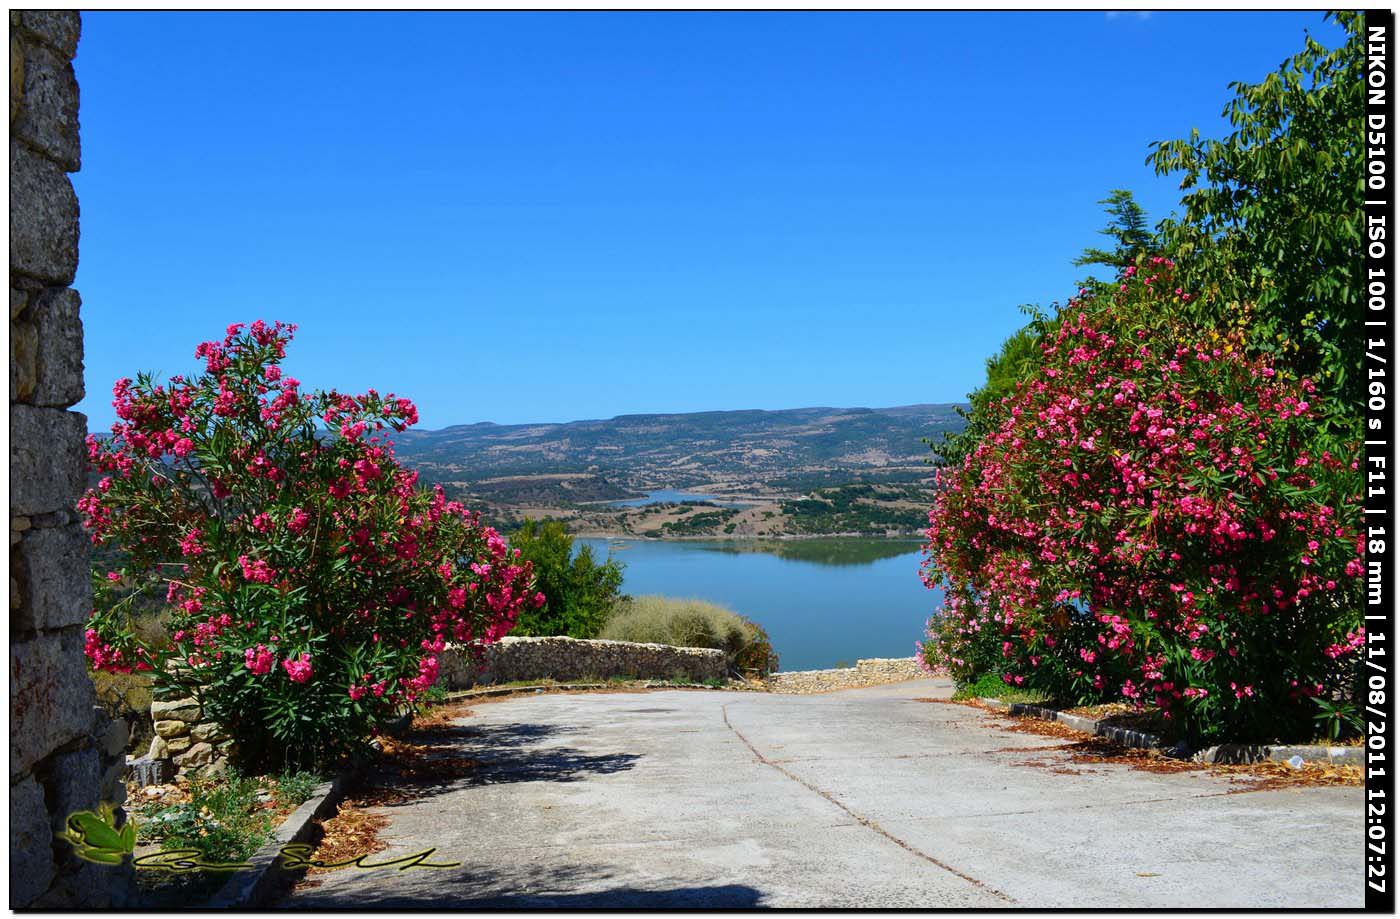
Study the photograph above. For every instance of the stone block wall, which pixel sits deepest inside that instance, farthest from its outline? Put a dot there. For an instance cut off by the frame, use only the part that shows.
(576, 659)
(869, 672)
(186, 738)
(65, 755)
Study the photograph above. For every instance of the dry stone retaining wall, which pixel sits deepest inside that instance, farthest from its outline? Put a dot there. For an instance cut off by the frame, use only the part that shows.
(186, 738)
(514, 659)
(869, 672)
(65, 754)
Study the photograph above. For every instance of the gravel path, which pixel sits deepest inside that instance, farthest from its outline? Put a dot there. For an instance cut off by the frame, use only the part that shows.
(868, 797)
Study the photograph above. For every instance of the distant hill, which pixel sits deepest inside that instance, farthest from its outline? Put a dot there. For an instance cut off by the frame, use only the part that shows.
(786, 449)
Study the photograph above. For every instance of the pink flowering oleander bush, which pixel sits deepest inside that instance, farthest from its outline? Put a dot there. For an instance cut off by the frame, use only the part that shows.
(1157, 516)
(311, 584)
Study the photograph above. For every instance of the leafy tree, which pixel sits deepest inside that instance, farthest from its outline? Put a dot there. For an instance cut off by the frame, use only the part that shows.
(1128, 230)
(1015, 361)
(1271, 235)
(579, 591)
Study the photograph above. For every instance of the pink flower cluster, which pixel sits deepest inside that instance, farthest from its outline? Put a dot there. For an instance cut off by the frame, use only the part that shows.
(298, 669)
(259, 659)
(252, 522)
(1152, 486)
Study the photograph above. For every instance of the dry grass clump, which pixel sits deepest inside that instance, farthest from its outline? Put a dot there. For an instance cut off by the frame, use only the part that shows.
(688, 623)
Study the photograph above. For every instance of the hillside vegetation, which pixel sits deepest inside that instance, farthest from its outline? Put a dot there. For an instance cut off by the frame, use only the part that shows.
(807, 471)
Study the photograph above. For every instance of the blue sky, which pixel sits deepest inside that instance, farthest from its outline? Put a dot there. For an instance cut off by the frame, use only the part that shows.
(522, 217)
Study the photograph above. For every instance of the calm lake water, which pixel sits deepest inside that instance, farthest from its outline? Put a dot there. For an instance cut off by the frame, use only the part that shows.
(823, 601)
(671, 496)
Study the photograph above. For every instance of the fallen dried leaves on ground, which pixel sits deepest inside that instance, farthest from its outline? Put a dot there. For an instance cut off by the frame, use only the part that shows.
(440, 715)
(405, 767)
(1089, 750)
(350, 834)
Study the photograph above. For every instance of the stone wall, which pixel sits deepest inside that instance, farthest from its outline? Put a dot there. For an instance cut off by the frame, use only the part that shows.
(869, 672)
(65, 755)
(575, 659)
(186, 738)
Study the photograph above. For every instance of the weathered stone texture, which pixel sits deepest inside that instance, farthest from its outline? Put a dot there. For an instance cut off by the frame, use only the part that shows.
(168, 729)
(59, 29)
(84, 885)
(16, 76)
(200, 754)
(47, 459)
(558, 658)
(43, 564)
(186, 710)
(24, 360)
(58, 368)
(65, 755)
(48, 114)
(208, 732)
(115, 740)
(31, 843)
(73, 782)
(112, 787)
(184, 739)
(868, 672)
(43, 218)
(51, 696)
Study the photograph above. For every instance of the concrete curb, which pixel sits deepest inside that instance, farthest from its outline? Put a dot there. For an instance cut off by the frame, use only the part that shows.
(250, 887)
(1222, 753)
(491, 691)
(1254, 753)
(1124, 736)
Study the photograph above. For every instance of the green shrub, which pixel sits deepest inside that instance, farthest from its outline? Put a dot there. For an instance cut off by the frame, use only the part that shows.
(294, 788)
(579, 591)
(693, 624)
(991, 686)
(228, 817)
(221, 820)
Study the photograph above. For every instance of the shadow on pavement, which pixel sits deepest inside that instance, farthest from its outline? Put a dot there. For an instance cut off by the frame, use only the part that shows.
(721, 896)
(527, 886)
(441, 759)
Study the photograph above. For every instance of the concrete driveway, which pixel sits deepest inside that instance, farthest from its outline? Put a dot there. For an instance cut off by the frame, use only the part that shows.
(861, 798)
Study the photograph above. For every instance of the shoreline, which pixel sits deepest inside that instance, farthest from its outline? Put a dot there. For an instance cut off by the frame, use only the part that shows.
(731, 537)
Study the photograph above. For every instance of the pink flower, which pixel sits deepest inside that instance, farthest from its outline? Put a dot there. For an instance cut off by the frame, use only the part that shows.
(298, 670)
(298, 520)
(259, 660)
(256, 571)
(190, 545)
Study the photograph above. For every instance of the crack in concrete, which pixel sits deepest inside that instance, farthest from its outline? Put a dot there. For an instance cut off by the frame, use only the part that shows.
(863, 821)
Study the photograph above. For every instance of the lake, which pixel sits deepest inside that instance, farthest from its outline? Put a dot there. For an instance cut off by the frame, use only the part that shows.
(822, 601)
(671, 496)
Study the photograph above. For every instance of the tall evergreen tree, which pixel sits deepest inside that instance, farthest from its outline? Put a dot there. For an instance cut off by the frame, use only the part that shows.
(1127, 227)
